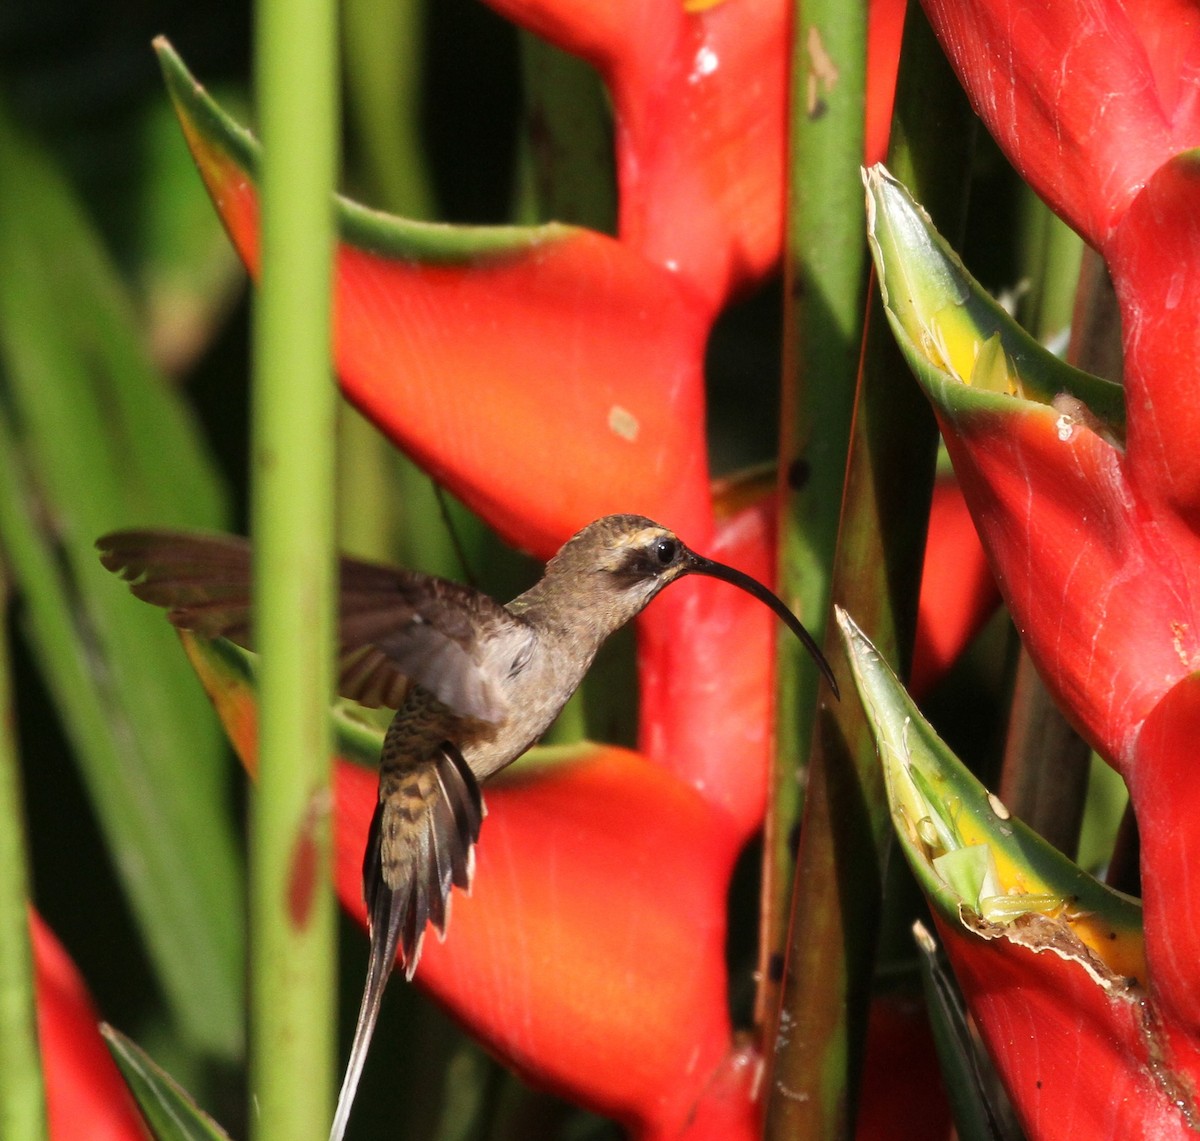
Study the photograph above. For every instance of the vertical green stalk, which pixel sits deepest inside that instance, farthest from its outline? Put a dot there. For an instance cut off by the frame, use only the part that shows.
(1044, 778)
(22, 1093)
(292, 958)
(824, 283)
(385, 62)
(816, 1058)
(565, 169)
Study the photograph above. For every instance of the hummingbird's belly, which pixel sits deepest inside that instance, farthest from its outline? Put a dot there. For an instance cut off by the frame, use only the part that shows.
(535, 699)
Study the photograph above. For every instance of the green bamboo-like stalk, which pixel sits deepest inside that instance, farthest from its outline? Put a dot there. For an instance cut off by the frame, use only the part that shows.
(292, 958)
(1045, 771)
(824, 285)
(22, 1092)
(816, 1058)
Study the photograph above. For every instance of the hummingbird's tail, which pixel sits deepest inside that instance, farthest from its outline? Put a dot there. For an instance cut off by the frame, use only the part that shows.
(441, 856)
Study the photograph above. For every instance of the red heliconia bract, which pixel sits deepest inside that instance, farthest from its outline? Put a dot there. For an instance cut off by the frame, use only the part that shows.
(958, 592)
(85, 1094)
(1088, 99)
(1076, 1059)
(1095, 541)
(699, 94)
(591, 952)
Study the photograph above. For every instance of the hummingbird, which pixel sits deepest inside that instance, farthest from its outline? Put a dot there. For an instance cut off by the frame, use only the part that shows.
(474, 684)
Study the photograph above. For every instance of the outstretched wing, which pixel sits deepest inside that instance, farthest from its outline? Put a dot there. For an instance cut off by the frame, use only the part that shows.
(393, 625)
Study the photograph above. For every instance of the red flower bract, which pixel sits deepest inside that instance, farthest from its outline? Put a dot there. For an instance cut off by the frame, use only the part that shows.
(85, 1094)
(699, 103)
(591, 953)
(1087, 99)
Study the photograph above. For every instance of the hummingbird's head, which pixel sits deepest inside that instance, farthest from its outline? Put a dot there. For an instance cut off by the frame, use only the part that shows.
(619, 563)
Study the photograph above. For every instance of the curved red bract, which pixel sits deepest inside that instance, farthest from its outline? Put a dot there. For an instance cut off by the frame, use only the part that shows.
(591, 953)
(1076, 1061)
(1097, 545)
(1087, 99)
(85, 1094)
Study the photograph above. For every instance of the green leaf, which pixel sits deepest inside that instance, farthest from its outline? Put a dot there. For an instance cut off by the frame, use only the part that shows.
(186, 274)
(959, 1055)
(383, 234)
(92, 438)
(168, 1109)
(965, 350)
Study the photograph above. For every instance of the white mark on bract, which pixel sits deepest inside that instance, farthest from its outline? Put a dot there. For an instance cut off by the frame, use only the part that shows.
(998, 806)
(1065, 426)
(1180, 636)
(705, 63)
(624, 423)
(1174, 291)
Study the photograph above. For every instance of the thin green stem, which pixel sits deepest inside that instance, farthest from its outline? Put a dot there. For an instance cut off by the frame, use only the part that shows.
(385, 65)
(22, 1093)
(292, 959)
(824, 285)
(1047, 763)
(835, 914)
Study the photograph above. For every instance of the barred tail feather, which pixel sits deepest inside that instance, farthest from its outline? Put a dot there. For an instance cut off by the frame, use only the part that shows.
(440, 856)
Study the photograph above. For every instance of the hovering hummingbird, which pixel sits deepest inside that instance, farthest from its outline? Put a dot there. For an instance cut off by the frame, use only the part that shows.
(474, 683)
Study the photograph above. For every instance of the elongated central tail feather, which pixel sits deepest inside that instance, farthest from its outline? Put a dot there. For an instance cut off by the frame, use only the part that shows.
(436, 855)
(384, 917)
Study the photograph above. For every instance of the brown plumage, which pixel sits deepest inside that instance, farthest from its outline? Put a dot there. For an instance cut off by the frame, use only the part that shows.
(474, 684)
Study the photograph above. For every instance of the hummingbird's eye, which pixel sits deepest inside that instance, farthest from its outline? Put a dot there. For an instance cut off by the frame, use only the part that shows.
(666, 551)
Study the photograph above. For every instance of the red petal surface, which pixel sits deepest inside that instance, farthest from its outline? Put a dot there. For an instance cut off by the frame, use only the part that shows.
(1154, 258)
(1101, 596)
(699, 103)
(546, 390)
(902, 1096)
(885, 30)
(546, 376)
(699, 98)
(1087, 98)
(1077, 1060)
(591, 955)
(85, 1094)
(1166, 799)
(706, 665)
(958, 592)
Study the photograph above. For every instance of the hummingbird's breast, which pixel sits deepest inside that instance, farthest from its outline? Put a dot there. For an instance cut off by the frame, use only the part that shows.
(536, 680)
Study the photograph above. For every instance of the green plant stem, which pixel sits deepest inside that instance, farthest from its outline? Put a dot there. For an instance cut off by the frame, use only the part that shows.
(292, 958)
(1044, 775)
(22, 1092)
(824, 286)
(815, 1060)
(566, 167)
(385, 64)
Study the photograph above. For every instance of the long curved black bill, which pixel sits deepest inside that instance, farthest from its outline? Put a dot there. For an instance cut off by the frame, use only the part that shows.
(752, 586)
